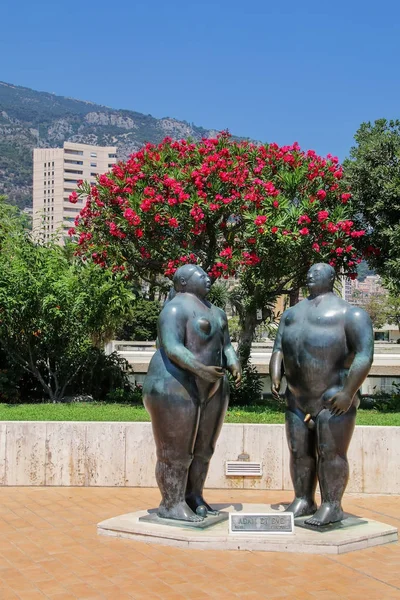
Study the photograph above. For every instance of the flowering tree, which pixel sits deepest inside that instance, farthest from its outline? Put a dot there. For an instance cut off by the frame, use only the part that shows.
(262, 213)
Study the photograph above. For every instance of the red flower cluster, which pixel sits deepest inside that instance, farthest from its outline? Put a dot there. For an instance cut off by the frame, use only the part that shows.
(173, 265)
(132, 217)
(250, 258)
(196, 213)
(322, 215)
(226, 253)
(345, 197)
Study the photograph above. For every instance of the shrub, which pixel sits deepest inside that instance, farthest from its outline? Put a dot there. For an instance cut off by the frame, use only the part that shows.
(250, 389)
(142, 324)
(105, 377)
(382, 402)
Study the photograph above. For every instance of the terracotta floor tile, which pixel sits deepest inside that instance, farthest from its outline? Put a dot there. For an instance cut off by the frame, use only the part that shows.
(143, 596)
(174, 596)
(122, 596)
(35, 573)
(9, 574)
(82, 590)
(33, 596)
(49, 548)
(8, 594)
(50, 587)
(62, 596)
(22, 586)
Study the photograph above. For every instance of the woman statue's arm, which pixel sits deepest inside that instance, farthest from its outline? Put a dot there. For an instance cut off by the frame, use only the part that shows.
(232, 362)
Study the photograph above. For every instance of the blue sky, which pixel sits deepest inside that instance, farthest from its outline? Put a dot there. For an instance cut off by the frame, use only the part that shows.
(307, 71)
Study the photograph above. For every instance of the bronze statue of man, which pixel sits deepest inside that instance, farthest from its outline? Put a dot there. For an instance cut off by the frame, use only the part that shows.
(326, 347)
(186, 392)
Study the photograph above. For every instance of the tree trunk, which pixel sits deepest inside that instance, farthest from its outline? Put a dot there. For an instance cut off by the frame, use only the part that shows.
(294, 296)
(246, 337)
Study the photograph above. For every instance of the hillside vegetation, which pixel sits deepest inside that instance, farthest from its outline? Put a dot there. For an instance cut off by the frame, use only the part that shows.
(30, 119)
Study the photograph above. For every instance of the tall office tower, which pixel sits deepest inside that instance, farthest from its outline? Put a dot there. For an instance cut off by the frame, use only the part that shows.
(56, 172)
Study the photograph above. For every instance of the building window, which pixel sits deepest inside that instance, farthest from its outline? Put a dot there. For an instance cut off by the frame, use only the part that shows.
(73, 162)
(110, 165)
(112, 156)
(52, 173)
(71, 180)
(93, 155)
(52, 164)
(93, 174)
(93, 164)
(78, 152)
(75, 172)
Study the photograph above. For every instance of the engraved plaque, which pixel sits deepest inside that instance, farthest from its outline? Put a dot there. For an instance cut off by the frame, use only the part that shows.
(267, 523)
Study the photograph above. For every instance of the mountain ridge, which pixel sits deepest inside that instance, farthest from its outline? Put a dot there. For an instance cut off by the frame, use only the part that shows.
(31, 119)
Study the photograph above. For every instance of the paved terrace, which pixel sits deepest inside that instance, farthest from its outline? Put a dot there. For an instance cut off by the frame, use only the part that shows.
(49, 548)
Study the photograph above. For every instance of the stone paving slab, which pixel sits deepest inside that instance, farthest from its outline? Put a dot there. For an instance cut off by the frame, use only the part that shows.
(49, 549)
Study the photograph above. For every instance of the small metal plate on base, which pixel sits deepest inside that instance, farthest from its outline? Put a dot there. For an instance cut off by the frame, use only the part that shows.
(209, 521)
(347, 522)
(266, 523)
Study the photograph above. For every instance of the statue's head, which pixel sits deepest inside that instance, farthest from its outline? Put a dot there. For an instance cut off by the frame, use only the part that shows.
(320, 279)
(192, 279)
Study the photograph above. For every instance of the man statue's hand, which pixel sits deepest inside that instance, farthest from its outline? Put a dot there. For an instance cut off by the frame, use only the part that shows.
(236, 372)
(275, 387)
(340, 403)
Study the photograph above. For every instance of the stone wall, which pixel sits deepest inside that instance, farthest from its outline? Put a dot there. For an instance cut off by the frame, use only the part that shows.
(123, 454)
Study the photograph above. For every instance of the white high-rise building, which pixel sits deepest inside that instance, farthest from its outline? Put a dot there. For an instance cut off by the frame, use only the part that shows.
(56, 172)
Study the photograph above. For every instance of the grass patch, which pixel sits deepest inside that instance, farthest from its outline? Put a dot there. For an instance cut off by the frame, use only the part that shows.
(94, 411)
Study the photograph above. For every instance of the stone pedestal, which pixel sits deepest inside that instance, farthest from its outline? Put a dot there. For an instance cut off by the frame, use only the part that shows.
(352, 534)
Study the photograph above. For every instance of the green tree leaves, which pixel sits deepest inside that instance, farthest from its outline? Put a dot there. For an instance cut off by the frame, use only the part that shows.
(53, 310)
(373, 172)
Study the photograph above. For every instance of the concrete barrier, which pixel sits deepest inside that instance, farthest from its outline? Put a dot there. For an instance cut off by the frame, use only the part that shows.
(385, 370)
(123, 454)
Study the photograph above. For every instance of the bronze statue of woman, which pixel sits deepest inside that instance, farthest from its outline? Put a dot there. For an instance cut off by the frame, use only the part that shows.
(186, 393)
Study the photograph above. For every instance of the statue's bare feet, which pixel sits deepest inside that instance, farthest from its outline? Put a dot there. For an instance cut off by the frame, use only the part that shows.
(327, 513)
(179, 512)
(198, 502)
(301, 507)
